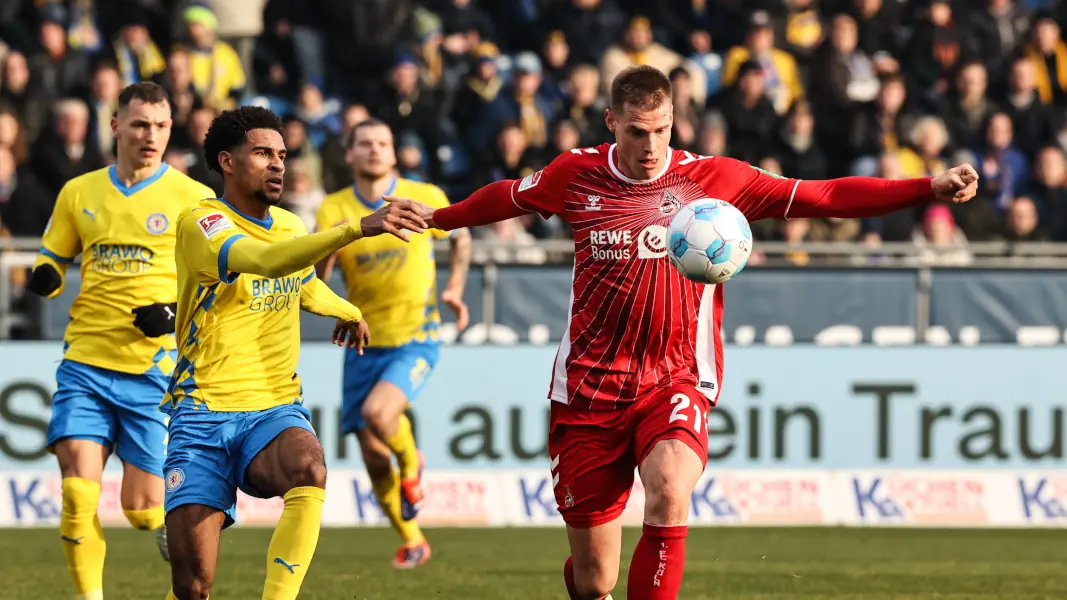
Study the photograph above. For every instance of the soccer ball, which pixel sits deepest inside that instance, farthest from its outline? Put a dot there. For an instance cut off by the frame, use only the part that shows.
(709, 241)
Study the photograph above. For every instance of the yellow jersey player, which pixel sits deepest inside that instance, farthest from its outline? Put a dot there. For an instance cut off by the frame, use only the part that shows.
(237, 419)
(119, 345)
(395, 285)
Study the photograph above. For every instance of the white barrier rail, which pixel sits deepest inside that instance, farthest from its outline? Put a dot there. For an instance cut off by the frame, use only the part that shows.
(495, 498)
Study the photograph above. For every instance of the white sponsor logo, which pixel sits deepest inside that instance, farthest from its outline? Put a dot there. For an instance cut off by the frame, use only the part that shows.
(594, 203)
(212, 224)
(612, 244)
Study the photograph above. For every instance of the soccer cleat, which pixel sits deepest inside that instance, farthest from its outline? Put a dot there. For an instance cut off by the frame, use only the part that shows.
(161, 541)
(409, 557)
(411, 495)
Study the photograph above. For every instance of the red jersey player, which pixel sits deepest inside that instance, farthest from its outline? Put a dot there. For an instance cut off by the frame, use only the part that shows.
(641, 362)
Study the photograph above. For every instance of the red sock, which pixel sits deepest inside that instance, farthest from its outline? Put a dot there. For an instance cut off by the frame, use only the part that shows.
(658, 564)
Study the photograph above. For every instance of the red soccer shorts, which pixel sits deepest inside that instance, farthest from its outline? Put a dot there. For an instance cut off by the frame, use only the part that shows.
(594, 453)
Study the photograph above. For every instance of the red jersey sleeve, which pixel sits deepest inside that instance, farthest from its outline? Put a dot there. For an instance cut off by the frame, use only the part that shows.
(543, 192)
(762, 195)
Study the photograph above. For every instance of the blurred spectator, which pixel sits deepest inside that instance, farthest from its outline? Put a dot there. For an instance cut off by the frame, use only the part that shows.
(65, 152)
(301, 196)
(299, 147)
(479, 90)
(336, 174)
(103, 101)
(565, 136)
(410, 105)
(217, 74)
(584, 106)
(1049, 191)
(1022, 222)
(1003, 170)
(927, 152)
(749, 113)
(463, 16)
(686, 112)
(522, 103)
(12, 136)
(137, 56)
(25, 207)
(513, 158)
(411, 157)
(943, 243)
(322, 116)
(802, 30)
(1048, 54)
(177, 79)
(636, 48)
(968, 111)
(999, 28)
(240, 22)
(898, 226)
(590, 26)
(17, 91)
(557, 56)
(797, 150)
(704, 58)
(195, 132)
(713, 135)
(883, 126)
(781, 80)
(794, 232)
(879, 23)
(56, 70)
(1032, 121)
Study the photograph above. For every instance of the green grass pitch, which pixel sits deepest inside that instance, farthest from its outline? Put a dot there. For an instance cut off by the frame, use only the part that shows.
(526, 564)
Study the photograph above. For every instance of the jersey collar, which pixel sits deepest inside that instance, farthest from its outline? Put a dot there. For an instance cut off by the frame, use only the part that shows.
(612, 156)
(378, 203)
(113, 173)
(264, 223)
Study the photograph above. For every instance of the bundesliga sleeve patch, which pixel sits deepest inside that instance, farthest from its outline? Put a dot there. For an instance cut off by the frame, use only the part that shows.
(212, 224)
(530, 181)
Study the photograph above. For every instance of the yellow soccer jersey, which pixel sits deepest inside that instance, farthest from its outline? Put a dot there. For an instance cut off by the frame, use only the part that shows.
(238, 335)
(393, 283)
(125, 236)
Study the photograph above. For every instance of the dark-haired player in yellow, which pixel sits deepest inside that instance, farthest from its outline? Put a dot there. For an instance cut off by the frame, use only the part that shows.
(119, 347)
(395, 284)
(235, 400)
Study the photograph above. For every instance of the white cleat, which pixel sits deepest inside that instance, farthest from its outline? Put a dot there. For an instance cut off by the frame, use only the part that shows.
(161, 542)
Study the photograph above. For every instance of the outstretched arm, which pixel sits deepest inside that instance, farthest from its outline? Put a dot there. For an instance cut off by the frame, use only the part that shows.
(316, 297)
(490, 204)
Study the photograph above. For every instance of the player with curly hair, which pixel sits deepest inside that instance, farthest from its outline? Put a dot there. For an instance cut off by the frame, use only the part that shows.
(237, 419)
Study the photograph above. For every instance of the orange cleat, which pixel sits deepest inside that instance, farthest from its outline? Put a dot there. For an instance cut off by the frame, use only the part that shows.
(409, 557)
(411, 495)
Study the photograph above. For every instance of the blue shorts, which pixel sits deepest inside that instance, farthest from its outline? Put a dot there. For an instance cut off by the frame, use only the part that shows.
(116, 410)
(209, 452)
(407, 367)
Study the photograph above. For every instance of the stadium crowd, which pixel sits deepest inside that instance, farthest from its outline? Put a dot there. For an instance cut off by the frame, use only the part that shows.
(481, 91)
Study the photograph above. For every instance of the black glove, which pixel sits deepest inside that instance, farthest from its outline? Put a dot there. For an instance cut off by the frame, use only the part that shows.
(156, 319)
(44, 280)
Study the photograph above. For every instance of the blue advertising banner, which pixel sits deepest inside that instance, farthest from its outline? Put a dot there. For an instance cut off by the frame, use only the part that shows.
(781, 408)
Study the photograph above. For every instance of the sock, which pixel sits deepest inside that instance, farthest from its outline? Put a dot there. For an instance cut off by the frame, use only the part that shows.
(293, 544)
(82, 538)
(403, 446)
(387, 491)
(148, 519)
(658, 563)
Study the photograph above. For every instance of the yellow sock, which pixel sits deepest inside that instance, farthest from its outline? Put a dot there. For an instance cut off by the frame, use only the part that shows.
(403, 446)
(293, 544)
(82, 538)
(148, 519)
(388, 492)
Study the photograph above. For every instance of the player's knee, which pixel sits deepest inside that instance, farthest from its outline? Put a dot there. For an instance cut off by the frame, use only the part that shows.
(375, 416)
(379, 463)
(594, 582)
(666, 500)
(309, 472)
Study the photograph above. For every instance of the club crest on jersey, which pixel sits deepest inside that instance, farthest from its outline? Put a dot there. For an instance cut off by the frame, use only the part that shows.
(670, 203)
(157, 223)
(530, 181)
(175, 479)
(212, 224)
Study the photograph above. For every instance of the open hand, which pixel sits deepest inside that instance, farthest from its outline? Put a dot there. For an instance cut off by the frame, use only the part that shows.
(454, 300)
(958, 184)
(351, 334)
(425, 212)
(396, 218)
